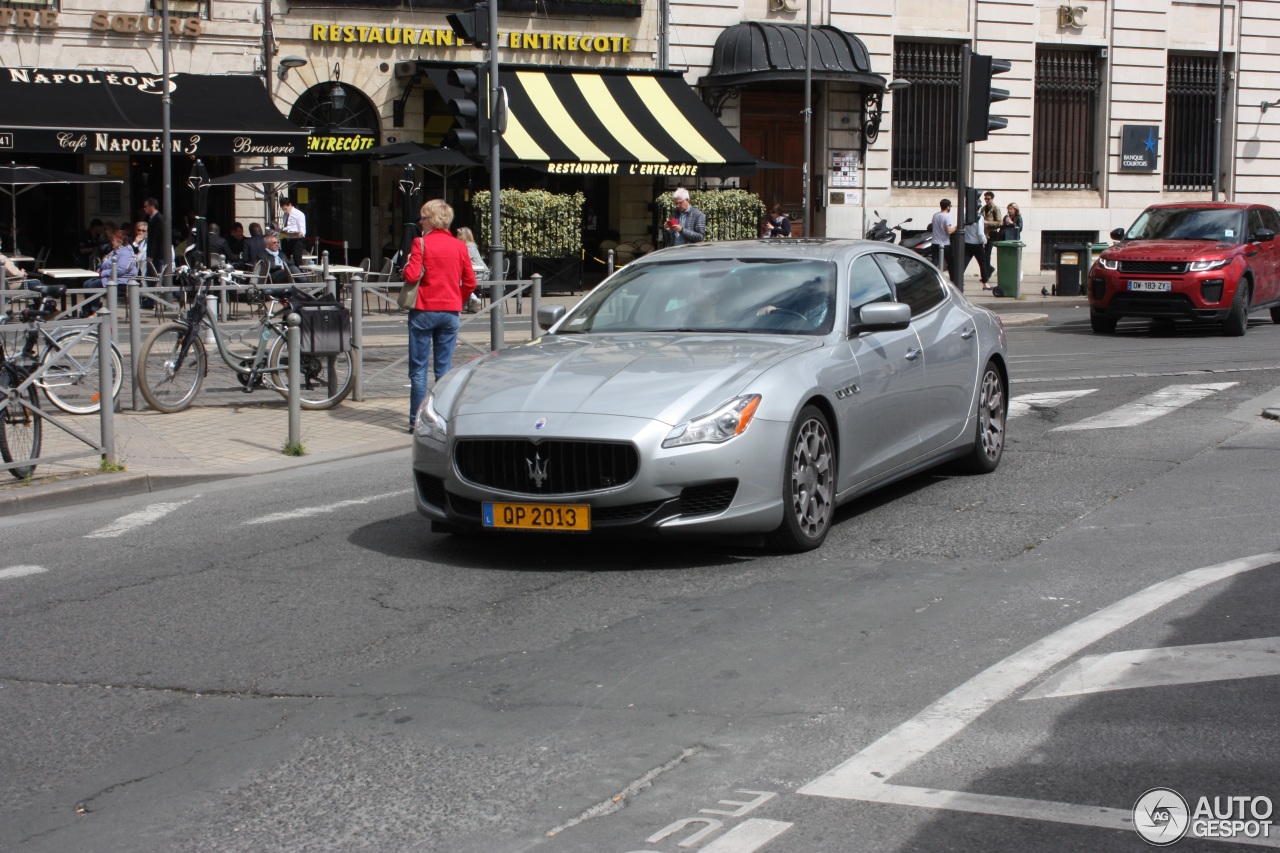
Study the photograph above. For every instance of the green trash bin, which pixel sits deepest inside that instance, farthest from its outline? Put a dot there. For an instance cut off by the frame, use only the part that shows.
(1008, 267)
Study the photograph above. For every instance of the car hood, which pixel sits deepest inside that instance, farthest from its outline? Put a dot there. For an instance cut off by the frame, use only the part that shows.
(667, 377)
(1169, 250)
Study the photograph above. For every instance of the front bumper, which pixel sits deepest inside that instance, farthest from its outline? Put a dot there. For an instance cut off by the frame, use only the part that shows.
(1197, 296)
(734, 487)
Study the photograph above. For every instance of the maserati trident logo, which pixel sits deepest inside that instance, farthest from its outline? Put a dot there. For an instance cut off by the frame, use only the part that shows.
(537, 469)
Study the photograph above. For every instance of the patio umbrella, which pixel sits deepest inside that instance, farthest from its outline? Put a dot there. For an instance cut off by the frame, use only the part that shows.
(444, 162)
(395, 149)
(273, 180)
(14, 176)
(199, 183)
(412, 192)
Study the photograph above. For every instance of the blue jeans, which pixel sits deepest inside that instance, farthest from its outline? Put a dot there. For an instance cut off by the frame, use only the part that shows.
(430, 333)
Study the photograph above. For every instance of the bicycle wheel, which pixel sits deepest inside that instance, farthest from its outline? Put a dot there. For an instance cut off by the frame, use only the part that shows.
(325, 379)
(165, 388)
(19, 425)
(71, 383)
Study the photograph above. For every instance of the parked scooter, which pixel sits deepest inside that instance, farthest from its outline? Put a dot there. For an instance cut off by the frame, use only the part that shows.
(916, 240)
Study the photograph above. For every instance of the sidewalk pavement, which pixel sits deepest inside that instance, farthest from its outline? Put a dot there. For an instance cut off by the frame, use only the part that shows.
(222, 439)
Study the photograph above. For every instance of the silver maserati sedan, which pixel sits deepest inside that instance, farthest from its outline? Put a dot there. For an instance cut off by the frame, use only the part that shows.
(719, 388)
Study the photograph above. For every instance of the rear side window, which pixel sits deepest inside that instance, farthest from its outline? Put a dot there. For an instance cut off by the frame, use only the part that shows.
(1271, 219)
(915, 282)
(1255, 221)
(866, 285)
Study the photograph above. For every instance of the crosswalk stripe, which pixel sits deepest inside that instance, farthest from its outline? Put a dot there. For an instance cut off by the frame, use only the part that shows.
(1150, 407)
(1024, 403)
(21, 571)
(134, 520)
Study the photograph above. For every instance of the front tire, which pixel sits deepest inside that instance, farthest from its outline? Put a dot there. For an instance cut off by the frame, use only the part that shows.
(808, 484)
(325, 379)
(1237, 322)
(1275, 315)
(993, 410)
(1102, 325)
(71, 383)
(20, 426)
(166, 388)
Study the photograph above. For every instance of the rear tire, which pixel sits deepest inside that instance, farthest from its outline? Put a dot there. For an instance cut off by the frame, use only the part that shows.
(325, 379)
(20, 426)
(808, 484)
(71, 383)
(1102, 325)
(1275, 315)
(165, 389)
(993, 410)
(1237, 322)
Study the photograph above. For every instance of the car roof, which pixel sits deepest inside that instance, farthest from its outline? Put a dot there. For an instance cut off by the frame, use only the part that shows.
(1206, 205)
(815, 248)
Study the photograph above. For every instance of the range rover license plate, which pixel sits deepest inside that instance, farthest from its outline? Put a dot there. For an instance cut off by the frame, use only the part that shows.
(537, 516)
(1155, 286)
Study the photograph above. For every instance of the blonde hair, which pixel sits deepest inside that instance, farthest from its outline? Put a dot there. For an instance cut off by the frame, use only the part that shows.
(438, 213)
(465, 235)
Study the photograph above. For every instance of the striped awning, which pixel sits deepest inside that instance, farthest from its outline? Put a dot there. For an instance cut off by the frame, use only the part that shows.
(605, 122)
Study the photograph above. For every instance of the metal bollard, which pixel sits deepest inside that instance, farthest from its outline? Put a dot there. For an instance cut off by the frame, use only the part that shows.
(109, 301)
(609, 266)
(357, 338)
(112, 300)
(519, 276)
(535, 300)
(330, 283)
(135, 338)
(497, 333)
(106, 404)
(211, 309)
(294, 342)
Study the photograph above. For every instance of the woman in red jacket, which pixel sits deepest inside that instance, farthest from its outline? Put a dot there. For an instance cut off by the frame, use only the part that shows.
(441, 264)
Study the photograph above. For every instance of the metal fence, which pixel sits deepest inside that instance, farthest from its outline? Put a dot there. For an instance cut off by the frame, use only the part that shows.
(1065, 136)
(926, 116)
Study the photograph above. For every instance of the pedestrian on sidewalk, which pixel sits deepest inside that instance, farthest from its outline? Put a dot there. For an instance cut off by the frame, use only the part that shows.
(942, 227)
(975, 243)
(441, 265)
(1011, 224)
(990, 213)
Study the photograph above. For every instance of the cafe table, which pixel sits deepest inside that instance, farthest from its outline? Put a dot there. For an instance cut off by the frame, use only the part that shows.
(70, 276)
(341, 272)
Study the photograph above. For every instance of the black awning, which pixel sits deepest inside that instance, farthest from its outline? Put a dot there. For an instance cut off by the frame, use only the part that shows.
(756, 52)
(611, 122)
(73, 111)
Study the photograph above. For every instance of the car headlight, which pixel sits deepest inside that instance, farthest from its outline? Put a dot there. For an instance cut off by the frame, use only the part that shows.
(715, 426)
(429, 423)
(1202, 266)
(1108, 263)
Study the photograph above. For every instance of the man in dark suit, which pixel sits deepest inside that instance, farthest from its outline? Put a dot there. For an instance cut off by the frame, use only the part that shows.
(155, 233)
(218, 245)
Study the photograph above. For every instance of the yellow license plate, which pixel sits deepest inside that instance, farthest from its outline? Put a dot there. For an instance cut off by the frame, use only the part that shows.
(537, 516)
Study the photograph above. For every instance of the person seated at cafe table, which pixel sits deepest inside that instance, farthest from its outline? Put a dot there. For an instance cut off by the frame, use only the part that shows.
(279, 269)
(218, 245)
(95, 243)
(235, 243)
(126, 269)
(12, 274)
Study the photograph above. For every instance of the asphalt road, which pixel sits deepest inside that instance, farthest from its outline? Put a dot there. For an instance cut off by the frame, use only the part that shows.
(296, 662)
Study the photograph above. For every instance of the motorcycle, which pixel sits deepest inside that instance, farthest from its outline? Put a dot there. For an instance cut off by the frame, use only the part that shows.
(919, 241)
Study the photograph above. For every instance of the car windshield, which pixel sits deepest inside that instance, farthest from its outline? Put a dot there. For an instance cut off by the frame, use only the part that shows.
(762, 295)
(1189, 223)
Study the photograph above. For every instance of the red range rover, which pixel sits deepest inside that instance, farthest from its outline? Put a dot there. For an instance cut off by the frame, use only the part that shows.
(1207, 262)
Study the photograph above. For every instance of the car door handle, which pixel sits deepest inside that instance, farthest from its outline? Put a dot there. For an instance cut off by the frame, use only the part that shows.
(913, 354)
(968, 333)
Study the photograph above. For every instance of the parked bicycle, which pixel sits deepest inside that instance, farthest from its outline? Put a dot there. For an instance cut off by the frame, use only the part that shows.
(71, 380)
(173, 362)
(20, 419)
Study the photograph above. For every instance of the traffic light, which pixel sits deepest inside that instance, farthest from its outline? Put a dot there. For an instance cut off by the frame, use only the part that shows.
(982, 95)
(472, 25)
(971, 206)
(470, 133)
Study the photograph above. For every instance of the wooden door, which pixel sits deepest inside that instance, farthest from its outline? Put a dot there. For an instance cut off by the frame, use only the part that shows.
(773, 130)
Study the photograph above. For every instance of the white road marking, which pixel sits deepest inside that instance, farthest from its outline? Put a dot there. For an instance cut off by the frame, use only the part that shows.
(1150, 407)
(21, 571)
(748, 836)
(134, 520)
(866, 775)
(1159, 667)
(1024, 403)
(309, 511)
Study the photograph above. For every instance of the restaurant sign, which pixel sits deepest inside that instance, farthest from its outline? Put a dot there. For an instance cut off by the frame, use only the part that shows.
(340, 143)
(425, 36)
(114, 142)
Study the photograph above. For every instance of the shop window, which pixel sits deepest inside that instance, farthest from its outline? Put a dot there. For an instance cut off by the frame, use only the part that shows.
(1188, 122)
(1065, 147)
(183, 8)
(925, 115)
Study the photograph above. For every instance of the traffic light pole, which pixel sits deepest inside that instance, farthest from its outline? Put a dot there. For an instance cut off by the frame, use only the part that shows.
(962, 172)
(496, 249)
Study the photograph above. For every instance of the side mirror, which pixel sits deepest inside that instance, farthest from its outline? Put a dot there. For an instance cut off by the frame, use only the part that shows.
(549, 315)
(1263, 235)
(1117, 234)
(881, 316)
(905, 221)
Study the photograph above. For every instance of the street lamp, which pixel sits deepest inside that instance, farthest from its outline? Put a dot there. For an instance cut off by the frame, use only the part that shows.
(289, 62)
(337, 94)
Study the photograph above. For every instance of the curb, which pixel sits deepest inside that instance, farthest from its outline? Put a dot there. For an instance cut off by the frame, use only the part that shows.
(85, 488)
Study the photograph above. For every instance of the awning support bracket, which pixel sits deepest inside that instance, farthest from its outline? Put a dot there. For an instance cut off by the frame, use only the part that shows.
(398, 108)
(716, 96)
